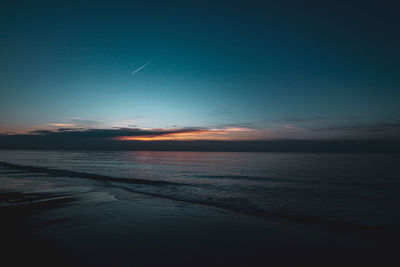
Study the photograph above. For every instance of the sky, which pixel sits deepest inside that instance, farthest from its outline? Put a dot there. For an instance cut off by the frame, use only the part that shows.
(201, 70)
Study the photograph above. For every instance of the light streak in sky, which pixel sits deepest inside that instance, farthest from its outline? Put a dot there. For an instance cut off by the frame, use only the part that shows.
(138, 69)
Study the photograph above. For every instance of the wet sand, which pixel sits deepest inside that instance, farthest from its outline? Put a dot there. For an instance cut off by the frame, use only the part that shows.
(61, 221)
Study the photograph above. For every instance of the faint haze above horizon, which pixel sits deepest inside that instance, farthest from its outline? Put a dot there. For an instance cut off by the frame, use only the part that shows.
(200, 70)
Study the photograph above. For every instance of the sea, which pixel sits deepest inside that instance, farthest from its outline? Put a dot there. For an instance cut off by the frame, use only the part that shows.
(342, 191)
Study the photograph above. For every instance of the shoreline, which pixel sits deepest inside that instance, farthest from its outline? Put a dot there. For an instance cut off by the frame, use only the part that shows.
(83, 222)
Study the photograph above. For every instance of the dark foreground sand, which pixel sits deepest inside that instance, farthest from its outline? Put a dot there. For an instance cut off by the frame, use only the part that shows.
(57, 221)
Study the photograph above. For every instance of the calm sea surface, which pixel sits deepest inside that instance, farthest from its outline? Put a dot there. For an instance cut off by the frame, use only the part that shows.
(333, 189)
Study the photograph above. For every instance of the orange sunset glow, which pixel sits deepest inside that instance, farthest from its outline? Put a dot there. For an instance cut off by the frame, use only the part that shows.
(226, 134)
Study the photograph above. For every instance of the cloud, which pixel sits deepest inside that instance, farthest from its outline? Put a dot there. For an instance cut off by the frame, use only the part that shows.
(8, 133)
(71, 139)
(184, 139)
(82, 121)
(106, 133)
(193, 133)
(366, 128)
(72, 123)
(62, 124)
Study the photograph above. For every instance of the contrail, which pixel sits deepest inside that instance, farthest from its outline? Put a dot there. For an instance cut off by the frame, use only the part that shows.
(148, 63)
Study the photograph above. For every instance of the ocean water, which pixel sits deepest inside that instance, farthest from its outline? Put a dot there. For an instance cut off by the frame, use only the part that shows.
(346, 191)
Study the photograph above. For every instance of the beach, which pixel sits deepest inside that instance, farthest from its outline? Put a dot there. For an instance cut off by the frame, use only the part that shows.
(50, 220)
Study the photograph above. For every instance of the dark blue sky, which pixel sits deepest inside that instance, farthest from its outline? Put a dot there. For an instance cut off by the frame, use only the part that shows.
(266, 69)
